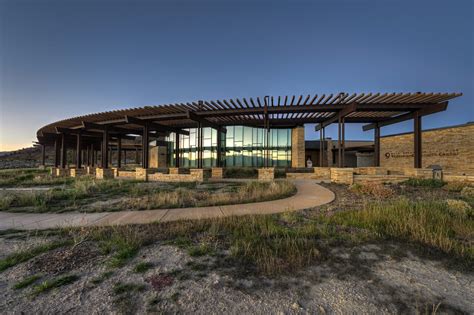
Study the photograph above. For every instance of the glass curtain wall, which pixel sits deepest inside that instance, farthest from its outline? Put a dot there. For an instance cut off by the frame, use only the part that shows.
(241, 146)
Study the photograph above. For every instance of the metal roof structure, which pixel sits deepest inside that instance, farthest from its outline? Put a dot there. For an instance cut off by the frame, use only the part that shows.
(275, 112)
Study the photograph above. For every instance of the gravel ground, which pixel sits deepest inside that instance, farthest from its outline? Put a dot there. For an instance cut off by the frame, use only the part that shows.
(373, 278)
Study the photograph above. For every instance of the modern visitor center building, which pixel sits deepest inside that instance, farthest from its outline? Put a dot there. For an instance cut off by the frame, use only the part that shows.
(264, 133)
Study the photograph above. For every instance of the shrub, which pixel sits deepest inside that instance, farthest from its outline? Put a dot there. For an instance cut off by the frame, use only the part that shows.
(426, 222)
(467, 192)
(459, 208)
(240, 172)
(373, 189)
(454, 186)
(424, 182)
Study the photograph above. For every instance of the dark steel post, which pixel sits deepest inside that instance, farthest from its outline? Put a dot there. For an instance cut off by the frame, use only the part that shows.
(105, 149)
(176, 156)
(199, 145)
(377, 145)
(63, 151)
(125, 157)
(145, 143)
(78, 151)
(321, 145)
(417, 141)
(43, 155)
(219, 149)
(339, 152)
(56, 152)
(343, 149)
(119, 152)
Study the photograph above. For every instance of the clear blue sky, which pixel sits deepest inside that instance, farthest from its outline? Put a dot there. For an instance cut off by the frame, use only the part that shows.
(66, 58)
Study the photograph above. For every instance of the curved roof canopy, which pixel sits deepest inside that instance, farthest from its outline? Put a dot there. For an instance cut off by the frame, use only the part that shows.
(268, 111)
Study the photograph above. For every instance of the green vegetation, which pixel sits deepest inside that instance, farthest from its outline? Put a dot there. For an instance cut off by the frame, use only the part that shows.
(142, 267)
(429, 223)
(22, 256)
(26, 282)
(54, 283)
(240, 172)
(30, 177)
(121, 288)
(424, 182)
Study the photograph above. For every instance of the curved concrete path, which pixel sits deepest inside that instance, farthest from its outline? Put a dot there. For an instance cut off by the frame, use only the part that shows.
(309, 194)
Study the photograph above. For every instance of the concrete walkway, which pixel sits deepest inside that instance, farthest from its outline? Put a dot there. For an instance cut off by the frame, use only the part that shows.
(309, 195)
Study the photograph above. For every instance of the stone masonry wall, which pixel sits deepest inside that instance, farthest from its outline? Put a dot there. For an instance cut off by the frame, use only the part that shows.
(266, 173)
(297, 147)
(451, 148)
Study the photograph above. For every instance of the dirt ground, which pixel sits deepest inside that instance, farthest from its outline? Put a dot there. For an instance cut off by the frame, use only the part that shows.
(372, 278)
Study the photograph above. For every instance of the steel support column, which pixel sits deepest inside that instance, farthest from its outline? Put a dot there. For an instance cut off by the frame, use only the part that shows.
(417, 141)
(176, 149)
(321, 145)
(43, 155)
(119, 152)
(56, 152)
(219, 148)
(343, 142)
(339, 145)
(199, 145)
(78, 150)
(63, 151)
(377, 145)
(105, 149)
(145, 145)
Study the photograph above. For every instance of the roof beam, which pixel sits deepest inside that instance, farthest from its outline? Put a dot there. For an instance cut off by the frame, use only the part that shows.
(428, 110)
(155, 126)
(89, 125)
(206, 122)
(342, 113)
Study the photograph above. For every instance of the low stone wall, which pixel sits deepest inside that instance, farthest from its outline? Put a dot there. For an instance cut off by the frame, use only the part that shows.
(127, 174)
(418, 172)
(370, 171)
(90, 170)
(104, 173)
(60, 172)
(342, 175)
(300, 176)
(195, 175)
(266, 173)
(458, 178)
(322, 172)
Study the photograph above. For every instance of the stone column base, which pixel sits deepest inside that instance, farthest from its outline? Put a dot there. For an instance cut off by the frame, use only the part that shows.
(217, 172)
(142, 173)
(200, 174)
(76, 172)
(104, 173)
(266, 173)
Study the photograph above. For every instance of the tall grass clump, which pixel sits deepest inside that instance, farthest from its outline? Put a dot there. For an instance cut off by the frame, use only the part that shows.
(424, 182)
(429, 223)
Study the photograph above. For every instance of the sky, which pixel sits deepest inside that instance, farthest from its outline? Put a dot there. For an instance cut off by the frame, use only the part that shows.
(60, 59)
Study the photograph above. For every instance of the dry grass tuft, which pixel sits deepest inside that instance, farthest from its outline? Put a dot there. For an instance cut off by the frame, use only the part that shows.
(373, 189)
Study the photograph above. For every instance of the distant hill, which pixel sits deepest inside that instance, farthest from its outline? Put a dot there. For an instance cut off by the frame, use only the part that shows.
(26, 157)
